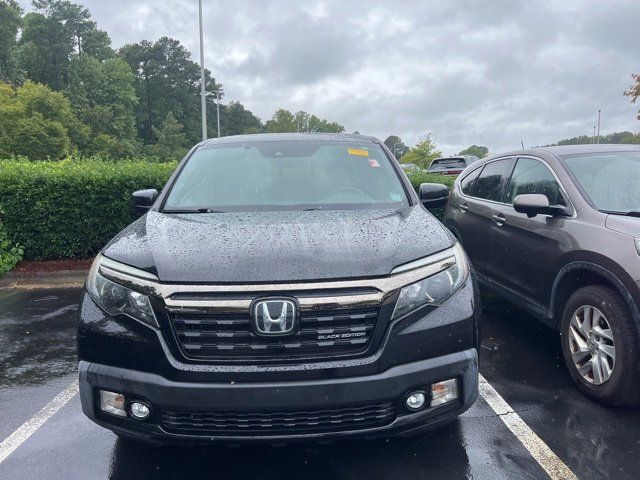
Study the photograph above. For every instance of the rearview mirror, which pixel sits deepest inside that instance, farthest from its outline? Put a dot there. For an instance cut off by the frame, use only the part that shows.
(433, 195)
(535, 204)
(142, 200)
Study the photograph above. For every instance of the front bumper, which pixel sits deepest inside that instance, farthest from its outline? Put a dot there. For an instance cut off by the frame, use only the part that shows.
(389, 386)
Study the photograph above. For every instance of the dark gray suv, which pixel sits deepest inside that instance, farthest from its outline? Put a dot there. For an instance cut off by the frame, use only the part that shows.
(556, 230)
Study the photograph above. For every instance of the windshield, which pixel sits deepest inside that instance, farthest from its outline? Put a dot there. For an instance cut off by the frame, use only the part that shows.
(445, 163)
(287, 175)
(611, 180)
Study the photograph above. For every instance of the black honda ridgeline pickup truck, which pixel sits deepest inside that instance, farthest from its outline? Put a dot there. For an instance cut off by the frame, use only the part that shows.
(279, 288)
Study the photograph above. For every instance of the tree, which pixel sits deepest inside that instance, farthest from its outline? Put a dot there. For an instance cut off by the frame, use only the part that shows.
(284, 121)
(238, 120)
(51, 35)
(396, 145)
(615, 137)
(44, 50)
(634, 90)
(103, 97)
(167, 80)
(10, 22)
(83, 31)
(319, 125)
(423, 153)
(37, 122)
(479, 151)
(170, 140)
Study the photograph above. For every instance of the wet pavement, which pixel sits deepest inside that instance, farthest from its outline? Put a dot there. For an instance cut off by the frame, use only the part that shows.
(520, 358)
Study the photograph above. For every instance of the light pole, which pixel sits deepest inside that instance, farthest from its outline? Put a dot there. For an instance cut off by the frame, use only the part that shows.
(217, 97)
(593, 138)
(598, 135)
(203, 99)
(218, 108)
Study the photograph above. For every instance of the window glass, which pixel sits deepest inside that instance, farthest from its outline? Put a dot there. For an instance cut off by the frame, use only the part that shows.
(610, 179)
(445, 163)
(466, 184)
(489, 183)
(287, 175)
(532, 176)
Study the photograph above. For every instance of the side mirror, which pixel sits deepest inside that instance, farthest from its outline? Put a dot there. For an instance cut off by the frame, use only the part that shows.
(536, 204)
(142, 200)
(433, 195)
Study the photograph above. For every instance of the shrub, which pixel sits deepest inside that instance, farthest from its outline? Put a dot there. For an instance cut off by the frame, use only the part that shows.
(417, 178)
(70, 209)
(10, 253)
(37, 122)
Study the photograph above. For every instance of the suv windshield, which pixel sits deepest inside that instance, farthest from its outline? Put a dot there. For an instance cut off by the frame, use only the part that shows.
(286, 175)
(611, 180)
(444, 163)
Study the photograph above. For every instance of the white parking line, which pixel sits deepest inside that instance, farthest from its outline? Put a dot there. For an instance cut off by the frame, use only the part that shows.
(27, 429)
(539, 450)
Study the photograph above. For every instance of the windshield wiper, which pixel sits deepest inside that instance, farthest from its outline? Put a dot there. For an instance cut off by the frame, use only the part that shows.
(191, 210)
(631, 213)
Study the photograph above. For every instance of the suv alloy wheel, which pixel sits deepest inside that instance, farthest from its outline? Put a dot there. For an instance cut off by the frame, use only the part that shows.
(600, 345)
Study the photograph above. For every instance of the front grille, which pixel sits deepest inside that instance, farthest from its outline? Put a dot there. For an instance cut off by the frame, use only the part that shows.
(275, 423)
(210, 336)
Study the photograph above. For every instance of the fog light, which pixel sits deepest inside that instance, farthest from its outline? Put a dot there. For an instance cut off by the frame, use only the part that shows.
(416, 400)
(444, 392)
(113, 403)
(139, 410)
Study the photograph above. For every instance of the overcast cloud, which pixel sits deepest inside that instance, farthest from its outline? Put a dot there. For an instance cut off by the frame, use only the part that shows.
(489, 73)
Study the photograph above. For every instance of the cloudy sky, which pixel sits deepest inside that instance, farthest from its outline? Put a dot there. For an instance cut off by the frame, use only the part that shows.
(492, 73)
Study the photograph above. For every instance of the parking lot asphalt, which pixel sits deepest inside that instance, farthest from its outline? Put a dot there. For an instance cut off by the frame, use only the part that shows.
(520, 358)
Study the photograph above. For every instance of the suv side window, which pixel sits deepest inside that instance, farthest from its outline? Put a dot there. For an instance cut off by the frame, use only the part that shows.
(489, 184)
(466, 184)
(533, 176)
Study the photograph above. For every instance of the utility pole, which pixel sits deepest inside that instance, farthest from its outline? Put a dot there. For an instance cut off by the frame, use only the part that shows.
(598, 135)
(218, 107)
(203, 94)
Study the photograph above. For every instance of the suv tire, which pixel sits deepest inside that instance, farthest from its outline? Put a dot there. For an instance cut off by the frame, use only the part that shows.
(622, 387)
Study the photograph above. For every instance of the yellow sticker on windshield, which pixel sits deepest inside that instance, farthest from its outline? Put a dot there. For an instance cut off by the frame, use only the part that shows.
(358, 151)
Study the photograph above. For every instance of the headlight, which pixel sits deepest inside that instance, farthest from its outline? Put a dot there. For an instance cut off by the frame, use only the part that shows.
(638, 245)
(436, 289)
(116, 299)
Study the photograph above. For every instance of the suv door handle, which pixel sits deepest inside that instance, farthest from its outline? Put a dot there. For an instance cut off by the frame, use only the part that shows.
(464, 207)
(498, 219)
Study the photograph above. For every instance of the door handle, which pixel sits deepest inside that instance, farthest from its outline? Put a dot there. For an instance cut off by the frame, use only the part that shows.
(464, 207)
(498, 219)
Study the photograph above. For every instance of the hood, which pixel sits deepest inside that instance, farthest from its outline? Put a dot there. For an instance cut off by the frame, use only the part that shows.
(625, 225)
(252, 247)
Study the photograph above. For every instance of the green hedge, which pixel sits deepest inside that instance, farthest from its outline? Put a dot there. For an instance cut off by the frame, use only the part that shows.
(70, 209)
(422, 177)
(10, 253)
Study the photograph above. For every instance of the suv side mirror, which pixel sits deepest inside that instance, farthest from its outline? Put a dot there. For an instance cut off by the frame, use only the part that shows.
(143, 199)
(534, 204)
(433, 195)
